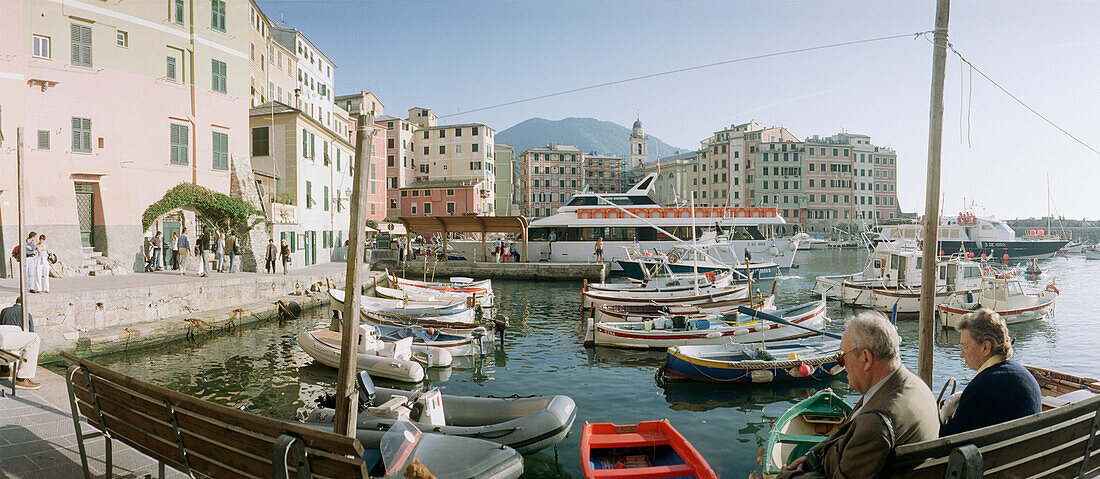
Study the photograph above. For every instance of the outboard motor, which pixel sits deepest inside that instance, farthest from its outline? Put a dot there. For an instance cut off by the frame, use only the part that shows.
(366, 389)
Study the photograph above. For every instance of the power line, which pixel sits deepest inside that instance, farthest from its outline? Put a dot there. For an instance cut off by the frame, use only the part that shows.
(687, 69)
(1018, 100)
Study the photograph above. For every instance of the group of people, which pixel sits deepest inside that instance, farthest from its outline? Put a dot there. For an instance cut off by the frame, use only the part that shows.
(225, 248)
(505, 251)
(273, 254)
(897, 408)
(36, 258)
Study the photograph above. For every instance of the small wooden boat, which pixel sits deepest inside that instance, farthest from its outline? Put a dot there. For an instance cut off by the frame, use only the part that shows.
(430, 340)
(527, 424)
(594, 299)
(753, 363)
(448, 312)
(395, 362)
(1003, 295)
(441, 324)
(670, 282)
(800, 428)
(664, 332)
(416, 293)
(456, 284)
(649, 449)
(640, 312)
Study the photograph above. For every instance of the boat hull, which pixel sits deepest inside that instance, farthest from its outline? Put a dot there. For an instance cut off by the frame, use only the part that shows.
(691, 365)
(595, 299)
(952, 314)
(377, 366)
(794, 432)
(655, 448)
(1040, 249)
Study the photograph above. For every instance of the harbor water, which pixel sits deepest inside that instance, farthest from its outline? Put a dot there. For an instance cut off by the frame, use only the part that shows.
(263, 367)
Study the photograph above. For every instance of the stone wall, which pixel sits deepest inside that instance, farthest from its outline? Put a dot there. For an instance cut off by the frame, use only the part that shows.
(242, 185)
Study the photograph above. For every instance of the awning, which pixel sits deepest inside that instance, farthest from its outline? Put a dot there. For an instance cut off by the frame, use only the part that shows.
(391, 228)
(466, 224)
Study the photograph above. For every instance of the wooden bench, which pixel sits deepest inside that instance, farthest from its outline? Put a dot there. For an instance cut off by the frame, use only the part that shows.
(200, 438)
(12, 361)
(1058, 443)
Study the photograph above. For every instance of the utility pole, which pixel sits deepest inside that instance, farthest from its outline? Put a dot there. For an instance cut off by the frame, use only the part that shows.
(21, 172)
(932, 195)
(347, 396)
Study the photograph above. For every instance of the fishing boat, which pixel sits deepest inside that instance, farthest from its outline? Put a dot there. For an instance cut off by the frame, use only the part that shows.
(669, 282)
(1006, 296)
(889, 264)
(591, 299)
(649, 449)
(641, 312)
(457, 284)
(391, 361)
(440, 324)
(807, 242)
(754, 363)
(665, 332)
(416, 293)
(977, 234)
(431, 311)
(1093, 253)
(954, 277)
(527, 424)
(805, 424)
(637, 265)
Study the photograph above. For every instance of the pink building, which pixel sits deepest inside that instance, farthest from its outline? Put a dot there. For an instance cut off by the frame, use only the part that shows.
(110, 124)
(367, 102)
(443, 197)
(400, 168)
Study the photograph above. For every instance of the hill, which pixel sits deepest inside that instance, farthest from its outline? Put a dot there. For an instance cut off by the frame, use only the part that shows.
(587, 134)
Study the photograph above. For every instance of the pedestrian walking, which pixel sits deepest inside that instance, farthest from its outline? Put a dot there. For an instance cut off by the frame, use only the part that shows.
(43, 269)
(158, 251)
(175, 250)
(30, 262)
(272, 253)
(284, 252)
(202, 250)
(232, 249)
(220, 253)
(183, 249)
(147, 253)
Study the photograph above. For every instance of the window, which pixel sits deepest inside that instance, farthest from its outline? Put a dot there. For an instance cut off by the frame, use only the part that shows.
(389, 160)
(170, 68)
(309, 194)
(442, 133)
(82, 135)
(450, 192)
(218, 76)
(473, 148)
(326, 198)
(390, 141)
(221, 151)
(442, 148)
(458, 148)
(450, 207)
(41, 46)
(122, 39)
(179, 140)
(425, 134)
(43, 139)
(458, 132)
(81, 44)
(217, 15)
(414, 208)
(473, 131)
(427, 208)
(425, 151)
(179, 11)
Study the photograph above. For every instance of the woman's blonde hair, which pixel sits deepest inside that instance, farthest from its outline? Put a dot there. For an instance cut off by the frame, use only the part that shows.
(986, 325)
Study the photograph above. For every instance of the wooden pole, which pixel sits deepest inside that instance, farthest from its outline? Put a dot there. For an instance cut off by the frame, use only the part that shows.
(347, 396)
(22, 265)
(932, 195)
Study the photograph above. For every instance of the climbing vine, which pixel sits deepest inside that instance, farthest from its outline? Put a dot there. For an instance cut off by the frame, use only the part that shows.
(211, 205)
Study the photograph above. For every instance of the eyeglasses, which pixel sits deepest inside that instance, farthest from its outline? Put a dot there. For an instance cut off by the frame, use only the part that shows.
(840, 357)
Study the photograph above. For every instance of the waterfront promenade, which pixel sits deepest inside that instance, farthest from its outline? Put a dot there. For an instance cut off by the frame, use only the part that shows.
(37, 439)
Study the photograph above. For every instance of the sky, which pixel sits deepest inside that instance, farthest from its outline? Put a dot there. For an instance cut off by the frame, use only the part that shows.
(458, 56)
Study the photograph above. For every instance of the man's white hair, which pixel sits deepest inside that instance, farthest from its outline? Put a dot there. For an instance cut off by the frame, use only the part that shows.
(871, 330)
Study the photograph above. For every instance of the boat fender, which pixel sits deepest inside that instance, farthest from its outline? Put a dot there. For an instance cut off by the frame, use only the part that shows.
(740, 332)
(762, 376)
(805, 370)
(793, 356)
(836, 370)
(713, 334)
(773, 251)
(792, 246)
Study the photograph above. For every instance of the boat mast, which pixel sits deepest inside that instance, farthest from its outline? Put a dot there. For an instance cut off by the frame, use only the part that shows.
(932, 193)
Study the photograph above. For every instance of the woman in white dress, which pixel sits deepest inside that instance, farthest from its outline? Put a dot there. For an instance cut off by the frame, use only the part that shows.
(43, 269)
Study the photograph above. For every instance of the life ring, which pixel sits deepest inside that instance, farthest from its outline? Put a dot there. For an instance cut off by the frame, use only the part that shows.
(673, 257)
(1053, 289)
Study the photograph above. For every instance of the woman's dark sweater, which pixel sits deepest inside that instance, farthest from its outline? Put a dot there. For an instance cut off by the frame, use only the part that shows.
(1001, 393)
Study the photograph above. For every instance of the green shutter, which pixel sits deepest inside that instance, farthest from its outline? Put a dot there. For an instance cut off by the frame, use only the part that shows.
(221, 151)
(179, 12)
(305, 143)
(217, 15)
(170, 68)
(43, 140)
(309, 194)
(81, 40)
(218, 76)
(179, 143)
(326, 198)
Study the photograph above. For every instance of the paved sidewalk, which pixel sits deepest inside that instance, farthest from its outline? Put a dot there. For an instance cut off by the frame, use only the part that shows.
(9, 287)
(37, 439)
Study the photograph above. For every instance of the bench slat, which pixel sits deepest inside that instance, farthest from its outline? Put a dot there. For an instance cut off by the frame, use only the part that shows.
(1045, 451)
(1070, 470)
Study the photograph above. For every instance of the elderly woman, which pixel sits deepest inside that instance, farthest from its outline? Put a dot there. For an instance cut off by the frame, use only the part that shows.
(1002, 390)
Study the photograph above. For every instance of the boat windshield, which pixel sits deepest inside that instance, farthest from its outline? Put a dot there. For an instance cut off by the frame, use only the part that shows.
(623, 200)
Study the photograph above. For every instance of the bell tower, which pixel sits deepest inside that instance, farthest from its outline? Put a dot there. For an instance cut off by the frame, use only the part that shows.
(638, 149)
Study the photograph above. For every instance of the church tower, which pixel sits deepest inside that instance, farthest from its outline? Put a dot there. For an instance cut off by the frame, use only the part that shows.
(638, 149)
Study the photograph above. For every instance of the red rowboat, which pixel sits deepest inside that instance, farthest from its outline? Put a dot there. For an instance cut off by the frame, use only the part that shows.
(649, 449)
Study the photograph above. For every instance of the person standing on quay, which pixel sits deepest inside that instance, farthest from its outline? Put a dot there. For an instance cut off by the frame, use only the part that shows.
(175, 250)
(272, 253)
(599, 249)
(183, 245)
(219, 253)
(202, 247)
(284, 251)
(232, 250)
(158, 248)
(43, 270)
(30, 262)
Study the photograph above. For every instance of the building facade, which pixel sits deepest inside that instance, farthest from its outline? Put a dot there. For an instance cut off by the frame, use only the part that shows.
(506, 170)
(605, 174)
(548, 177)
(272, 65)
(315, 76)
(400, 160)
(444, 197)
(367, 103)
(92, 171)
(458, 152)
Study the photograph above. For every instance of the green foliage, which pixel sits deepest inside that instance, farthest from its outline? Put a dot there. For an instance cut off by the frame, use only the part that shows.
(213, 207)
(285, 198)
(372, 224)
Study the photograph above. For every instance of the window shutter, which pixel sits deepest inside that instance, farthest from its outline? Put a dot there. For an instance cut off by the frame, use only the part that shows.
(76, 134)
(86, 45)
(43, 140)
(86, 133)
(74, 31)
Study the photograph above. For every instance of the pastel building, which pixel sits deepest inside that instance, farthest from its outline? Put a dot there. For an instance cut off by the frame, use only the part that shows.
(507, 172)
(315, 74)
(119, 102)
(549, 175)
(369, 104)
(444, 197)
(400, 159)
(458, 152)
(272, 65)
(605, 174)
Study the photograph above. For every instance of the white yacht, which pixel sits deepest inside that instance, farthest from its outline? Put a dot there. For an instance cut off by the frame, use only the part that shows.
(628, 220)
(974, 234)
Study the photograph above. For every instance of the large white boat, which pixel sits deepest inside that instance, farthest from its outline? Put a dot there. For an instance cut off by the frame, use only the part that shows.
(975, 234)
(629, 220)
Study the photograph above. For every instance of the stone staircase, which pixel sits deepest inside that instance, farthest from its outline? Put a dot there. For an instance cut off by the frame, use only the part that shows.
(93, 263)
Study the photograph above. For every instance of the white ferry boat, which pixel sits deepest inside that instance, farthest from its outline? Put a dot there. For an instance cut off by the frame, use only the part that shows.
(627, 220)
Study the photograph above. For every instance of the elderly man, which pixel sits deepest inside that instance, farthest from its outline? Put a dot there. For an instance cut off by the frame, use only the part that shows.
(896, 408)
(13, 338)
